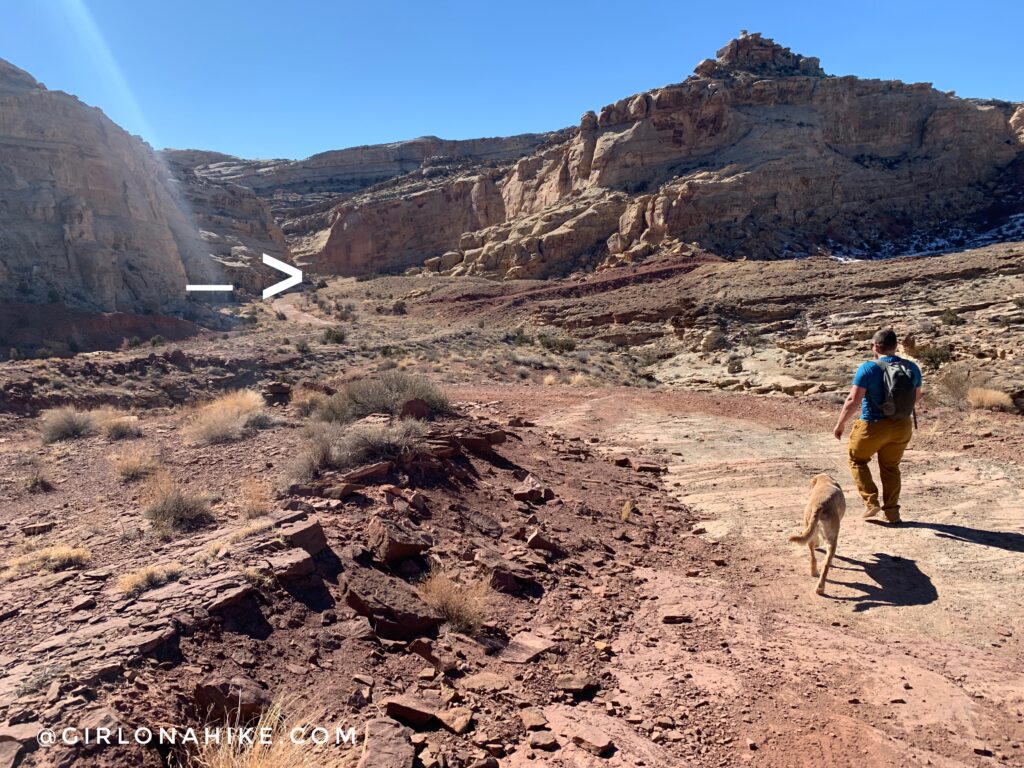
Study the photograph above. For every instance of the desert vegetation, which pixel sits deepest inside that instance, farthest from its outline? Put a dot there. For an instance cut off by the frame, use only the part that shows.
(46, 559)
(152, 576)
(464, 605)
(66, 423)
(172, 508)
(386, 392)
(227, 418)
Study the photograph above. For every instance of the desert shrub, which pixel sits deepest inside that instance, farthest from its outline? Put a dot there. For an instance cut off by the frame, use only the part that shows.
(171, 508)
(951, 317)
(116, 425)
(156, 341)
(59, 557)
(305, 401)
(991, 399)
(37, 480)
(302, 347)
(366, 443)
(1018, 302)
(254, 499)
(950, 386)
(933, 356)
(334, 336)
(152, 576)
(315, 453)
(399, 308)
(518, 337)
(383, 393)
(66, 423)
(227, 418)
(464, 606)
(132, 467)
(556, 343)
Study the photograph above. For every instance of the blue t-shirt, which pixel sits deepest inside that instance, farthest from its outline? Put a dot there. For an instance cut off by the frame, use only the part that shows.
(871, 377)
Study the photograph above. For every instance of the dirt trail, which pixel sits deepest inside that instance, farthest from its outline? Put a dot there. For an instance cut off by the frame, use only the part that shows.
(915, 655)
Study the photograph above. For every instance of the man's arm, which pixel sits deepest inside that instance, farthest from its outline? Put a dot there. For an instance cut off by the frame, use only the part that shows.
(849, 408)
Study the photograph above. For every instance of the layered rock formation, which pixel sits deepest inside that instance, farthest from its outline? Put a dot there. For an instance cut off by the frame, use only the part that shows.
(758, 155)
(235, 225)
(294, 183)
(87, 214)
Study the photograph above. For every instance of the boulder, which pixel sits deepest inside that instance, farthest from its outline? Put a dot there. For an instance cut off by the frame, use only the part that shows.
(306, 534)
(392, 541)
(394, 610)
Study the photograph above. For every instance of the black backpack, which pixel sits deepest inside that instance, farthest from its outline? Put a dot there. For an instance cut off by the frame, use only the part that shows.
(900, 391)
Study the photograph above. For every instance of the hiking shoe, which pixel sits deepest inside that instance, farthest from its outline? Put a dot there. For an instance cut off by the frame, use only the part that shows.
(871, 512)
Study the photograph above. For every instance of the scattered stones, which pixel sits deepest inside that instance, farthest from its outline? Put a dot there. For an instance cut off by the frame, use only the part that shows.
(392, 607)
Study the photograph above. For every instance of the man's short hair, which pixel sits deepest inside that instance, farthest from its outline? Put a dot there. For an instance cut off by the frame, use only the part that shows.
(886, 340)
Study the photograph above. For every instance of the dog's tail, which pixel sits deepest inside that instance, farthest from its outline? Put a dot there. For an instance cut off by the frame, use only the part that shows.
(804, 537)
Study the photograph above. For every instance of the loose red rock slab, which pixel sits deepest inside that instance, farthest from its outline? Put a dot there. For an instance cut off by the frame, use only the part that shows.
(229, 598)
(486, 682)
(524, 648)
(307, 535)
(594, 740)
(293, 564)
(457, 719)
(395, 611)
(417, 710)
(371, 473)
(386, 744)
(391, 541)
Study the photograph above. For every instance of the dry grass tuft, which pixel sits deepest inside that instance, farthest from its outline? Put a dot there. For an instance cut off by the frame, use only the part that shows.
(290, 725)
(59, 557)
(254, 499)
(305, 400)
(366, 443)
(170, 507)
(227, 418)
(135, 467)
(991, 399)
(37, 480)
(464, 606)
(386, 392)
(66, 423)
(316, 452)
(152, 576)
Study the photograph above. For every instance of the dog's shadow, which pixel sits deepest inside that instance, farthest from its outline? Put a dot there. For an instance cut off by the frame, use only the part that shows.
(897, 582)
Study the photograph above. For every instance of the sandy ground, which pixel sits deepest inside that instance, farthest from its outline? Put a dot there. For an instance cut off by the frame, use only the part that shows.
(914, 655)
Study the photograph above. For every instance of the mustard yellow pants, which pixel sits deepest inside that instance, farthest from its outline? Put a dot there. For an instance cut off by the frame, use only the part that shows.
(888, 439)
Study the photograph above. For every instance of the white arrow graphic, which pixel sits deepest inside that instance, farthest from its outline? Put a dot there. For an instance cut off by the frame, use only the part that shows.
(294, 276)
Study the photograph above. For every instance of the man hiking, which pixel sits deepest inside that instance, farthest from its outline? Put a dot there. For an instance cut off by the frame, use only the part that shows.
(886, 390)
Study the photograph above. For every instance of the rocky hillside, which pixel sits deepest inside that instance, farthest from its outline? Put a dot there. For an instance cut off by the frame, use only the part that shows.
(759, 154)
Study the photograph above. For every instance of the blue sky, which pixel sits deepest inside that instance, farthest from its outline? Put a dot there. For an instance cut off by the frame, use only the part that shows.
(288, 79)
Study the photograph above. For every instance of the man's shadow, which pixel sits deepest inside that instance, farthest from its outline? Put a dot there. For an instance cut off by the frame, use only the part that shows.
(1011, 542)
(898, 581)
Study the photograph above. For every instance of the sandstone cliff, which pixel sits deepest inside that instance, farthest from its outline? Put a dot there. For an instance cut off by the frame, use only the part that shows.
(759, 154)
(87, 213)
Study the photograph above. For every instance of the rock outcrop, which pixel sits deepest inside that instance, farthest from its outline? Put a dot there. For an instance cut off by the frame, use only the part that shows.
(758, 155)
(88, 216)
